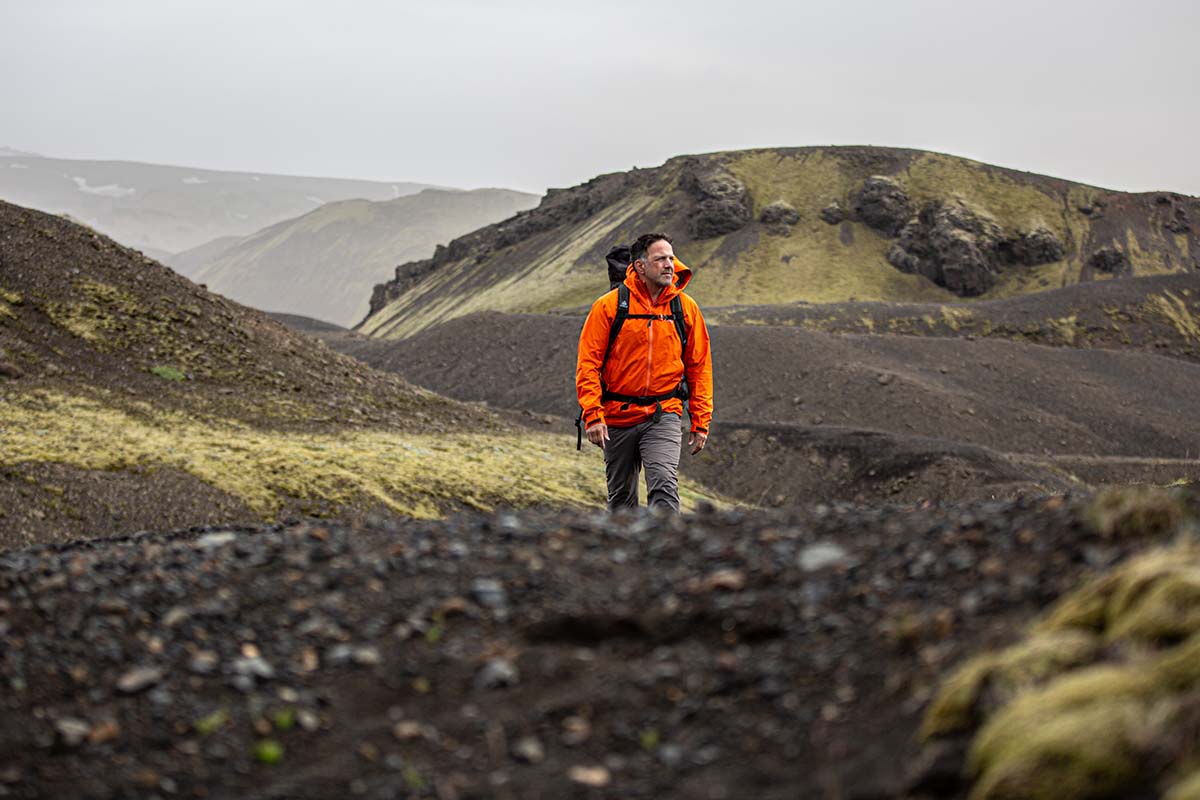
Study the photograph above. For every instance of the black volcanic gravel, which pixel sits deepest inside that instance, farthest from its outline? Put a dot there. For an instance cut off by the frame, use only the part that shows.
(722, 655)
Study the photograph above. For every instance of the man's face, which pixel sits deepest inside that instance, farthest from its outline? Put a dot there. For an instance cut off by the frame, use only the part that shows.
(657, 268)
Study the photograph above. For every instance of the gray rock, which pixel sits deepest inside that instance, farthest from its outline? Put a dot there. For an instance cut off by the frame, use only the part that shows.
(204, 662)
(217, 539)
(671, 755)
(489, 593)
(821, 555)
(722, 204)
(779, 213)
(254, 667)
(951, 245)
(139, 679)
(529, 750)
(1031, 248)
(497, 674)
(833, 213)
(72, 731)
(366, 656)
(881, 203)
(1110, 260)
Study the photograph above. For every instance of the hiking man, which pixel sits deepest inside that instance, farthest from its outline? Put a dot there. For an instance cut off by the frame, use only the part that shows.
(631, 386)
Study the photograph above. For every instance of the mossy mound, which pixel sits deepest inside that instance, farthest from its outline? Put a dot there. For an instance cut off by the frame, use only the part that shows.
(323, 473)
(1101, 698)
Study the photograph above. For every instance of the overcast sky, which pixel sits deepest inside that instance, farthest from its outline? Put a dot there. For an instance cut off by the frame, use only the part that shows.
(533, 94)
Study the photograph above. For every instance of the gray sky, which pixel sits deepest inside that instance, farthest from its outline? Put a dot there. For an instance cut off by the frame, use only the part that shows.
(531, 94)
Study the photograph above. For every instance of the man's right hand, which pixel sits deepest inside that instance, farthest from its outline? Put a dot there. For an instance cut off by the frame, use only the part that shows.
(598, 434)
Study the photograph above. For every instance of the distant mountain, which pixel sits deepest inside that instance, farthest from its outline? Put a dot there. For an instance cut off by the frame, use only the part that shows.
(324, 264)
(819, 224)
(165, 209)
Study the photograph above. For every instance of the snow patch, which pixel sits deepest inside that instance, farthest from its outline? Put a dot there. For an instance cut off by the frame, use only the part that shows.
(107, 190)
(316, 200)
(395, 191)
(18, 166)
(255, 178)
(193, 180)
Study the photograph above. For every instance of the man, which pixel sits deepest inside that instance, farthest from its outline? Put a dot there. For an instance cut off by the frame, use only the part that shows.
(632, 389)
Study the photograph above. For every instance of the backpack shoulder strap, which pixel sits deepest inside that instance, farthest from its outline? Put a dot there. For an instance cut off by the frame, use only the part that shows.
(680, 322)
(619, 319)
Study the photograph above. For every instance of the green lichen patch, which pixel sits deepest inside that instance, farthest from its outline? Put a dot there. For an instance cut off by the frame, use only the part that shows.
(168, 373)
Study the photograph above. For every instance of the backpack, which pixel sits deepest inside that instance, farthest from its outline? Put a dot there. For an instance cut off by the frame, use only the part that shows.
(618, 262)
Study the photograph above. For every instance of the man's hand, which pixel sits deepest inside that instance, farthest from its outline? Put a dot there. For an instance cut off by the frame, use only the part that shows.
(598, 434)
(697, 441)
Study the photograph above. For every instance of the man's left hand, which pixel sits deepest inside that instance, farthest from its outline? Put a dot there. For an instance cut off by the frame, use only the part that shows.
(697, 441)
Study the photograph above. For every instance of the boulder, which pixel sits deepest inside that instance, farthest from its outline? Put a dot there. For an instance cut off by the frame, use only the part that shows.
(779, 213)
(883, 204)
(833, 213)
(952, 245)
(722, 203)
(1031, 248)
(1110, 260)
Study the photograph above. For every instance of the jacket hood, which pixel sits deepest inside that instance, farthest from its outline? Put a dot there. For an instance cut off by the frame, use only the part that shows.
(683, 276)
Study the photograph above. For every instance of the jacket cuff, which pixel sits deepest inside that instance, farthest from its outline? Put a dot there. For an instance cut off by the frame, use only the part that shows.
(593, 417)
(698, 429)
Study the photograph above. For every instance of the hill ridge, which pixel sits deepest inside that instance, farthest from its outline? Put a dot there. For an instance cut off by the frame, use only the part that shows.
(822, 224)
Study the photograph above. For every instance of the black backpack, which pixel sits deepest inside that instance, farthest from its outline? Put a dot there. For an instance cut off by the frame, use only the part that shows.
(618, 260)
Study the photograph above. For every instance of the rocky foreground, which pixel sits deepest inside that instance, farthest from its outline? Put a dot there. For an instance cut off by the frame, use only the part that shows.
(721, 655)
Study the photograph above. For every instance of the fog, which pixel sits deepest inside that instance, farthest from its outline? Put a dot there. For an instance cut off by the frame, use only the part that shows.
(530, 94)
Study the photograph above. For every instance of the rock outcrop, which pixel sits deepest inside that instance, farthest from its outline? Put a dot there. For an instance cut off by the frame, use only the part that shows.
(779, 213)
(1031, 248)
(779, 217)
(882, 204)
(952, 246)
(833, 213)
(1110, 261)
(723, 205)
(965, 249)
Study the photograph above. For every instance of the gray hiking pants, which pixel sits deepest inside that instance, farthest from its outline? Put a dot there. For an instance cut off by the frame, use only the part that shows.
(650, 443)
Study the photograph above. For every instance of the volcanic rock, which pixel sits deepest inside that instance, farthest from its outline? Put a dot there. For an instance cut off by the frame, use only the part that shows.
(1032, 248)
(139, 679)
(833, 213)
(952, 245)
(779, 212)
(723, 205)
(1110, 260)
(882, 204)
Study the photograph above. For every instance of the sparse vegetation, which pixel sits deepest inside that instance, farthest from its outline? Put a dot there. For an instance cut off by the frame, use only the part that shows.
(419, 474)
(168, 373)
(1175, 310)
(1082, 707)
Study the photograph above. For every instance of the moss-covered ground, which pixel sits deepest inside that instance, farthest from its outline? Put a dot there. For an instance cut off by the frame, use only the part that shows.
(1101, 699)
(423, 475)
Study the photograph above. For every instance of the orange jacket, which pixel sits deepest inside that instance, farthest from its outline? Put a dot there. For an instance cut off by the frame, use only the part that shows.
(645, 358)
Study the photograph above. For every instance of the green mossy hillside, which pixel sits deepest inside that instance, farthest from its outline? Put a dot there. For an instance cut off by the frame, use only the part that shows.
(552, 258)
